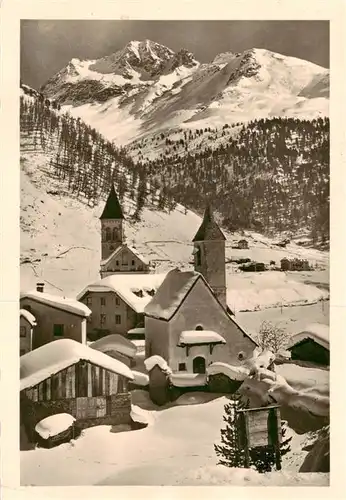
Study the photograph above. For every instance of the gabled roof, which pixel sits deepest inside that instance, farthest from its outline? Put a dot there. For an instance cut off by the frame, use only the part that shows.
(118, 250)
(49, 359)
(171, 293)
(115, 342)
(209, 229)
(112, 209)
(134, 289)
(65, 304)
(317, 332)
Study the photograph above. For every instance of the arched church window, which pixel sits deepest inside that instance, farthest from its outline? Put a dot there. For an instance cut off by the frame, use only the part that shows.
(108, 233)
(199, 327)
(115, 234)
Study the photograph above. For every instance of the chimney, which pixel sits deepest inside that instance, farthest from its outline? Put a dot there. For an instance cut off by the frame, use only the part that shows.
(40, 287)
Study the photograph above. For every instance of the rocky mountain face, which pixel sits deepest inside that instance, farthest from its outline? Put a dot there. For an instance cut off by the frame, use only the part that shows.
(146, 87)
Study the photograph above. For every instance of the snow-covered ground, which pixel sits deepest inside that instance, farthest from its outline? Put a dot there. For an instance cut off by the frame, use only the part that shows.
(175, 449)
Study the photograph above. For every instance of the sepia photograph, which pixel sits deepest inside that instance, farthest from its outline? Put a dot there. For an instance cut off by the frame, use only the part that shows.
(174, 252)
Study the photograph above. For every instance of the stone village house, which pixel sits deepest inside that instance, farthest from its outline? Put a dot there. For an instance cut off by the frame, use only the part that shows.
(56, 317)
(117, 302)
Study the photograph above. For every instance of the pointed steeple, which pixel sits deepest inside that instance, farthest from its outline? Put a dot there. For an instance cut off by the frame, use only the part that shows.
(209, 229)
(112, 209)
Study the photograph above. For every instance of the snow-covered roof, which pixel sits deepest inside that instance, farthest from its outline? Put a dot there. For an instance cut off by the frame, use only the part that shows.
(153, 361)
(231, 371)
(171, 293)
(28, 316)
(141, 379)
(317, 332)
(127, 286)
(54, 424)
(41, 363)
(116, 343)
(63, 303)
(188, 379)
(119, 250)
(189, 337)
(136, 331)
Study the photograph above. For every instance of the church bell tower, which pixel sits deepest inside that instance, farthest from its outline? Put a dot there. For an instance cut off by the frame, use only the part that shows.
(112, 227)
(209, 255)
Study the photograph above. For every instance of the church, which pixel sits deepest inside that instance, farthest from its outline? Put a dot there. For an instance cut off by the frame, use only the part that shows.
(116, 255)
(185, 315)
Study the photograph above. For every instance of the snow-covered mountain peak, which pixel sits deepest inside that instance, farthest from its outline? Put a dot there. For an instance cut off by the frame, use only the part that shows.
(146, 87)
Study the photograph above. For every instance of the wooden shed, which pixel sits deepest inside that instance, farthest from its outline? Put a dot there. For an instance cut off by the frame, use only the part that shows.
(311, 344)
(66, 376)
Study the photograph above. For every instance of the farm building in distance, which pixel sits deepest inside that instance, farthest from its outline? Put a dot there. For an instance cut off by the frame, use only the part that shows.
(68, 377)
(294, 265)
(311, 345)
(56, 317)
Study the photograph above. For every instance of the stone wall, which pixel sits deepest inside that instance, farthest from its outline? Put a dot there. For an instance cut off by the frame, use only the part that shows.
(31, 412)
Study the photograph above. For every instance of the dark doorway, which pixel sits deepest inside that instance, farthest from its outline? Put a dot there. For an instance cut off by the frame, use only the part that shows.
(199, 365)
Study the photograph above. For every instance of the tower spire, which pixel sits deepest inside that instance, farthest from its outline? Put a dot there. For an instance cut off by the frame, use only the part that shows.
(209, 254)
(112, 230)
(112, 209)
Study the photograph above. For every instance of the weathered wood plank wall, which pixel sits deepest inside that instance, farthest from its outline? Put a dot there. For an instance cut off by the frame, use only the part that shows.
(83, 379)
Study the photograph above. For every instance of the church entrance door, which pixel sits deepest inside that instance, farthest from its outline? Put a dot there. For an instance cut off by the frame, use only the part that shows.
(199, 365)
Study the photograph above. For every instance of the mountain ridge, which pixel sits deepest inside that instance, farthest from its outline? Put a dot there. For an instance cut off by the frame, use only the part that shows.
(146, 87)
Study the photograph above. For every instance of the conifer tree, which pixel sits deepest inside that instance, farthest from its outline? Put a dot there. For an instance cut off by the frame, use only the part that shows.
(229, 452)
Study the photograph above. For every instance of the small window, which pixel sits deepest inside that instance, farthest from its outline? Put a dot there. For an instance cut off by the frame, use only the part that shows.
(117, 319)
(117, 263)
(102, 319)
(182, 367)
(23, 331)
(199, 327)
(89, 301)
(241, 356)
(198, 258)
(117, 301)
(58, 330)
(132, 262)
(103, 301)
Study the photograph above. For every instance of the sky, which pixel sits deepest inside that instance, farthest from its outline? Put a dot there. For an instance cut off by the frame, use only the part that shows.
(48, 45)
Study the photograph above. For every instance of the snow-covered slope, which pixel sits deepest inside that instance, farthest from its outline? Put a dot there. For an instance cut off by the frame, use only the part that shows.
(60, 244)
(146, 87)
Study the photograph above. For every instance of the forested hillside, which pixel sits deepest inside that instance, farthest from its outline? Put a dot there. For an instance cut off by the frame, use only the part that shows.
(273, 175)
(83, 159)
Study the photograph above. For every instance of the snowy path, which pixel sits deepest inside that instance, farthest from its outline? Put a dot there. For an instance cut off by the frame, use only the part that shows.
(182, 437)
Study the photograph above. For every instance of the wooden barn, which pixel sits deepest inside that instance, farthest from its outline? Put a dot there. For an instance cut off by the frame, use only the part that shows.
(311, 345)
(65, 376)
